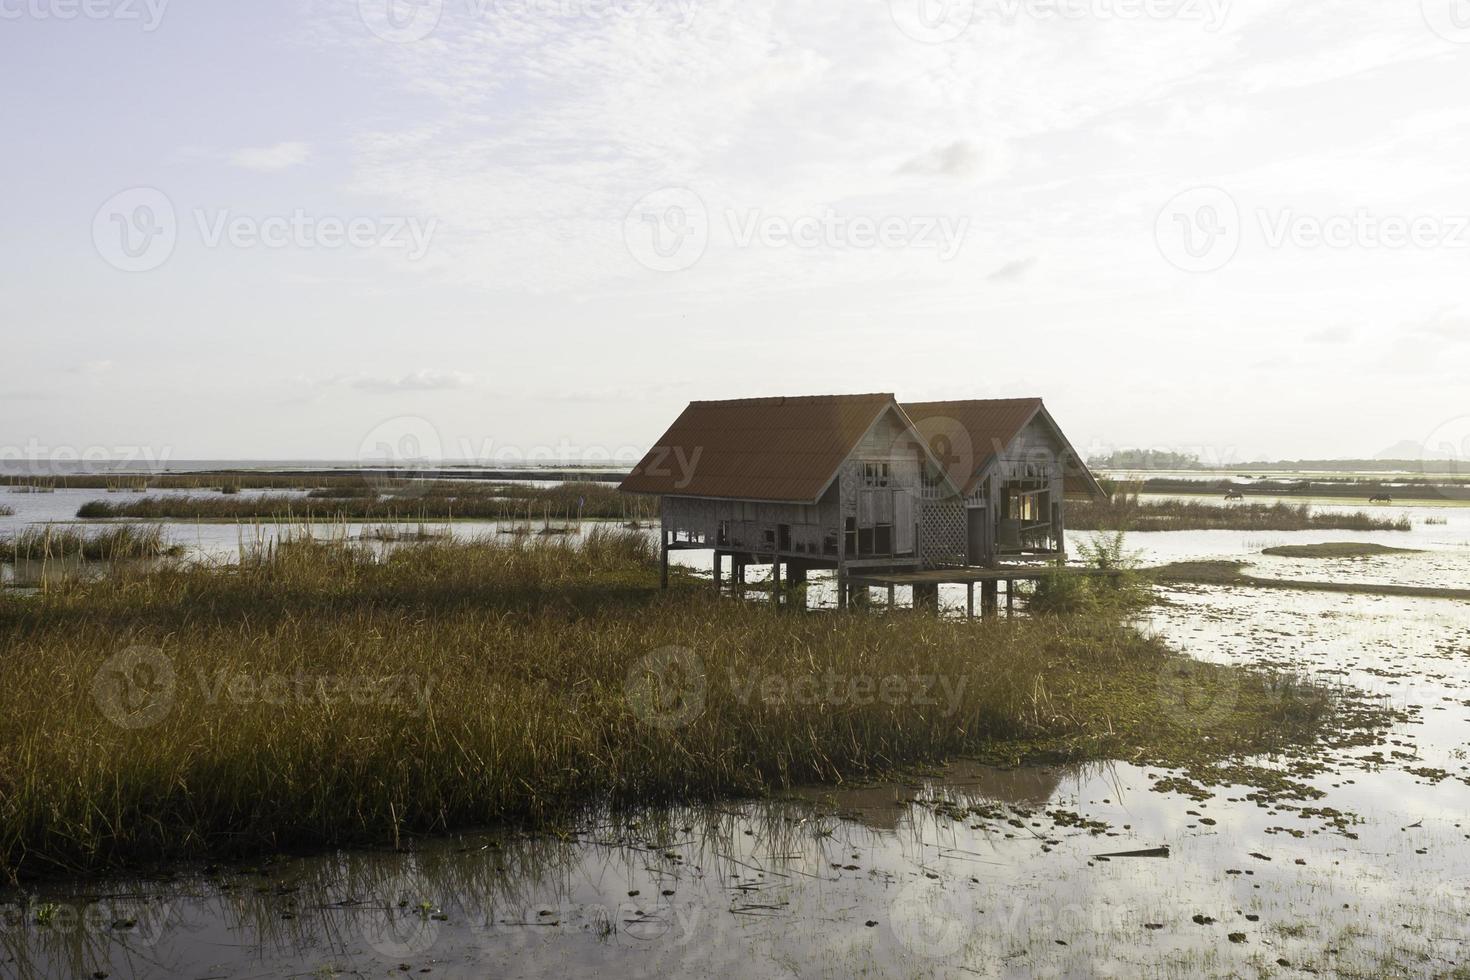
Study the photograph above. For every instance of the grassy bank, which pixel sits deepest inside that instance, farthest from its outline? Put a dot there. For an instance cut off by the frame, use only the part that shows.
(1128, 512)
(436, 500)
(326, 696)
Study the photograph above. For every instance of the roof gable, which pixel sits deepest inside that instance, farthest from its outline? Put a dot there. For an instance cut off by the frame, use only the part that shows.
(965, 436)
(779, 449)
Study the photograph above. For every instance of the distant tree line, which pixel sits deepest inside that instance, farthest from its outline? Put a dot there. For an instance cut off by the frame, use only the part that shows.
(1144, 459)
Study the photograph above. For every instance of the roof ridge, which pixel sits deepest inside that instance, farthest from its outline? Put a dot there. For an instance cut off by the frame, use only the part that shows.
(797, 399)
(975, 401)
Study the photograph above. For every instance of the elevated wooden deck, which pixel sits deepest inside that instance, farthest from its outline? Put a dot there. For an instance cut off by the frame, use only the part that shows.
(926, 583)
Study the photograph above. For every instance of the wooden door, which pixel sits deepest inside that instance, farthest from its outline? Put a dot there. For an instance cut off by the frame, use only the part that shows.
(975, 535)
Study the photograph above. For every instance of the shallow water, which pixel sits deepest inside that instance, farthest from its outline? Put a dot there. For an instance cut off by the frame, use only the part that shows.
(976, 872)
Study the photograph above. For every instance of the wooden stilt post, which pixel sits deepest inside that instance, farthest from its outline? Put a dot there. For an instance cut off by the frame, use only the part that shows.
(1010, 597)
(890, 595)
(663, 562)
(795, 583)
(719, 568)
(969, 600)
(926, 597)
(841, 586)
(989, 597)
(776, 581)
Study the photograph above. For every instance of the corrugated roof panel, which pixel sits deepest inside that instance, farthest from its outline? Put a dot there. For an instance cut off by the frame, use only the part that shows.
(785, 449)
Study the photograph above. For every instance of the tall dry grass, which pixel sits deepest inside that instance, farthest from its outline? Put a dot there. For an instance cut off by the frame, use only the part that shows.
(121, 543)
(526, 680)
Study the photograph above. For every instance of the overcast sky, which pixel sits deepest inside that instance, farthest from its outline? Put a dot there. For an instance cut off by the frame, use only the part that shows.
(295, 229)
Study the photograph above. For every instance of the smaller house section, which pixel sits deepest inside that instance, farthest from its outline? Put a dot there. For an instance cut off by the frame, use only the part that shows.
(1014, 468)
(860, 483)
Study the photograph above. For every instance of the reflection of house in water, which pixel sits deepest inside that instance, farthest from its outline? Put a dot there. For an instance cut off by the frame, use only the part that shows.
(883, 807)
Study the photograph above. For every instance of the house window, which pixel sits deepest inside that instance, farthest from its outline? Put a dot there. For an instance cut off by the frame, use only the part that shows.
(865, 541)
(875, 474)
(768, 536)
(883, 539)
(850, 534)
(784, 537)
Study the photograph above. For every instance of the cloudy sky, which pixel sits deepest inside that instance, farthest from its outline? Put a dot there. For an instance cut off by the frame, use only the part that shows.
(501, 228)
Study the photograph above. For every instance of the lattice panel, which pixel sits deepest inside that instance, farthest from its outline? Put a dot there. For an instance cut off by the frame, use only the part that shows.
(945, 537)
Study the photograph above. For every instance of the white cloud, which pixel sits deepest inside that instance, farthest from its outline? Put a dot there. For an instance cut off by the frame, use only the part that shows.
(422, 380)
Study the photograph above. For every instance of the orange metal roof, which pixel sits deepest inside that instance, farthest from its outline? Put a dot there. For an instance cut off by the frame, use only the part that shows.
(784, 449)
(991, 424)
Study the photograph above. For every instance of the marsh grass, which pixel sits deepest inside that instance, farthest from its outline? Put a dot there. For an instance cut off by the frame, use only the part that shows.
(6, 511)
(123, 542)
(429, 500)
(1125, 510)
(516, 669)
